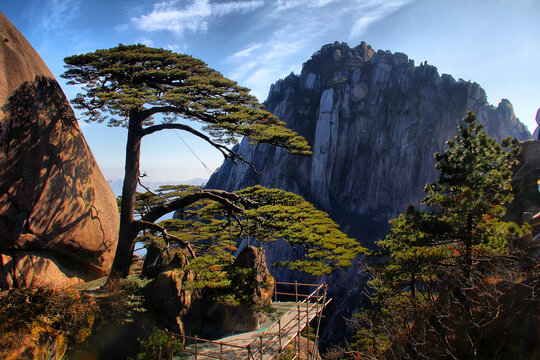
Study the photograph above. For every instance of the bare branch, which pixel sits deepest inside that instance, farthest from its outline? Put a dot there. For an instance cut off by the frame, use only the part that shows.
(227, 153)
(166, 236)
(146, 188)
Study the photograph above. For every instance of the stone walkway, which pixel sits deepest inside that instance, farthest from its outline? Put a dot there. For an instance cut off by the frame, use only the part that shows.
(264, 344)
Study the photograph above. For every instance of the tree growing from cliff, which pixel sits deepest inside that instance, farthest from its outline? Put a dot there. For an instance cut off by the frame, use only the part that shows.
(434, 280)
(130, 85)
(264, 215)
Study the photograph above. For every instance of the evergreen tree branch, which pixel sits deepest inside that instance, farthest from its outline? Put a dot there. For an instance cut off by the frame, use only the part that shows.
(145, 187)
(227, 199)
(181, 110)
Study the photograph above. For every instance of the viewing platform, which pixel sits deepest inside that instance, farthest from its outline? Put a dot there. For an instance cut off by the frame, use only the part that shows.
(271, 342)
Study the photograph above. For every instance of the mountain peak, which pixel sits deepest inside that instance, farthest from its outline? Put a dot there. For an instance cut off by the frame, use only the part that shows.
(338, 55)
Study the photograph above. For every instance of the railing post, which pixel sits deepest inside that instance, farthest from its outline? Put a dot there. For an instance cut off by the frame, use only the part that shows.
(279, 337)
(220, 350)
(249, 351)
(307, 338)
(196, 347)
(298, 331)
(295, 291)
(319, 316)
(261, 346)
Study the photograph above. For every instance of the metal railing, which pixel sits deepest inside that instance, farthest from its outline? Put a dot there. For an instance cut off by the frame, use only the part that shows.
(270, 343)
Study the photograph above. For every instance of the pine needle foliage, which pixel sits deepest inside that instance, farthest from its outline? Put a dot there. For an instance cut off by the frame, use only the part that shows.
(264, 215)
(133, 85)
(127, 78)
(436, 262)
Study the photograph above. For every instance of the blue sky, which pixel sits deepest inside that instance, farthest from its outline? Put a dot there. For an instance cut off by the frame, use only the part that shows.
(255, 42)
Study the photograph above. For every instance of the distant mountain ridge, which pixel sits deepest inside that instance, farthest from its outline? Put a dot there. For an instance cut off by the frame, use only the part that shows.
(374, 120)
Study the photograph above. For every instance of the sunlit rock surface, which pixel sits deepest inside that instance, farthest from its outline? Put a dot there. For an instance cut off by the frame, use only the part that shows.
(58, 216)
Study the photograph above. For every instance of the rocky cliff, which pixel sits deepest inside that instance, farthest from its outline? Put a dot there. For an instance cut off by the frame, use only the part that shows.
(374, 120)
(58, 216)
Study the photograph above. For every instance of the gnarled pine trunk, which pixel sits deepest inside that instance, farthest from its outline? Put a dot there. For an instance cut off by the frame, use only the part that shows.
(128, 229)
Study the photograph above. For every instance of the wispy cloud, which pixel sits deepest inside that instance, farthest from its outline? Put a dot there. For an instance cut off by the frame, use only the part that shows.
(376, 13)
(172, 16)
(177, 48)
(295, 26)
(292, 4)
(245, 52)
(282, 32)
(58, 13)
(147, 42)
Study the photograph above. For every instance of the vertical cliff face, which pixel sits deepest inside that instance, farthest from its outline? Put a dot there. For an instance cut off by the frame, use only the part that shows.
(374, 120)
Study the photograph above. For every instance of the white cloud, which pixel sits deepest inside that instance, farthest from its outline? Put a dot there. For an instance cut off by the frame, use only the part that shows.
(58, 13)
(246, 52)
(282, 5)
(194, 17)
(147, 42)
(236, 7)
(291, 28)
(375, 14)
(176, 48)
(284, 32)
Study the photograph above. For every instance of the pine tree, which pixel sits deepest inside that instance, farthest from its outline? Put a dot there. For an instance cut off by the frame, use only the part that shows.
(473, 189)
(212, 229)
(129, 85)
(430, 284)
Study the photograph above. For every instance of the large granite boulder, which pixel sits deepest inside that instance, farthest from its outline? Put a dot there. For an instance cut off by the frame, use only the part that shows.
(254, 259)
(184, 309)
(58, 216)
(258, 288)
(171, 299)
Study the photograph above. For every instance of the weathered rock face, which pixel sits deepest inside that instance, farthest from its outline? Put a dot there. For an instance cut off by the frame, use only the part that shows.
(374, 120)
(254, 259)
(306, 349)
(58, 216)
(525, 182)
(158, 260)
(170, 298)
(256, 290)
(536, 134)
(184, 310)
